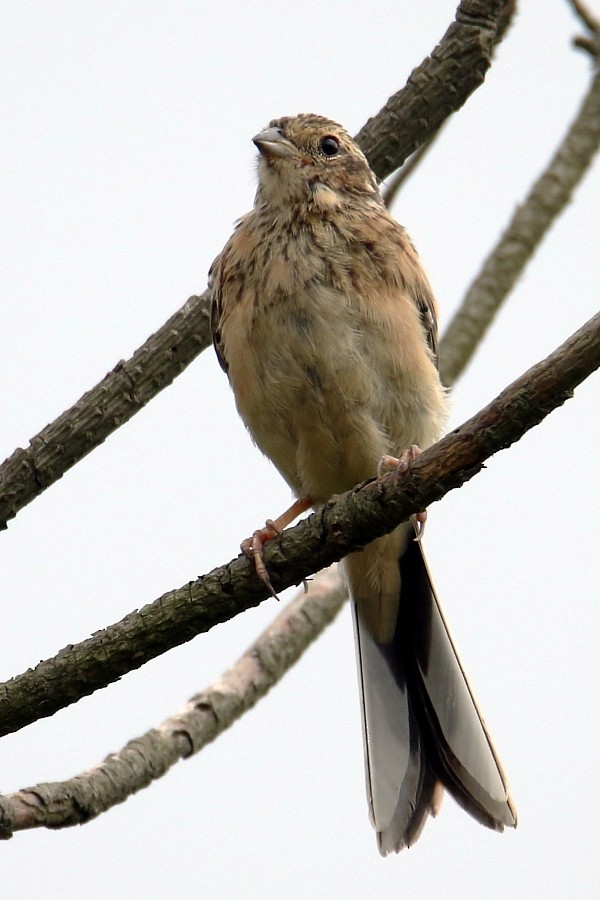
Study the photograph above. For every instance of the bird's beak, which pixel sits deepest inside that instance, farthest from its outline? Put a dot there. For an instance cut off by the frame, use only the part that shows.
(271, 142)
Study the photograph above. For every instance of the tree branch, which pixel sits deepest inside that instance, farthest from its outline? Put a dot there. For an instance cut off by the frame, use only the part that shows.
(437, 88)
(342, 525)
(202, 719)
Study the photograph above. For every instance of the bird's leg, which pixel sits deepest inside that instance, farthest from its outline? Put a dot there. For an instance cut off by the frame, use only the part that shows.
(252, 547)
(400, 466)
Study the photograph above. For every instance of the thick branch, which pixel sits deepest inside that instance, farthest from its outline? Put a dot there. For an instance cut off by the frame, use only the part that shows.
(442, 84)
(344, 524)
(547, 199)
(202, 719)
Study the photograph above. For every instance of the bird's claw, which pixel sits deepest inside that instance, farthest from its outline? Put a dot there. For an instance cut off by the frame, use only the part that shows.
(399, 466)
(252, 548)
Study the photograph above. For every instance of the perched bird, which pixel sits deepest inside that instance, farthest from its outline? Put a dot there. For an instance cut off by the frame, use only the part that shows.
(325, 323)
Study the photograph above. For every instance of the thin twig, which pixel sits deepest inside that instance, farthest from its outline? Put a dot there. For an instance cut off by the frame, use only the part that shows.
(399, 178)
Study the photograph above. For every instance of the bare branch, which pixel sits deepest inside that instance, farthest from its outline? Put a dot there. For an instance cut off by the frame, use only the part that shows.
(530, 222)
(344, 524)
(202, 719)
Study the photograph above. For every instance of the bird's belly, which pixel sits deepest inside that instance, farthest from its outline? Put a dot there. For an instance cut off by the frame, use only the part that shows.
(322, 390)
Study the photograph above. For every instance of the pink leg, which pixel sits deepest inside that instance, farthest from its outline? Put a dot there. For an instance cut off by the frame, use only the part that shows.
(252, 547)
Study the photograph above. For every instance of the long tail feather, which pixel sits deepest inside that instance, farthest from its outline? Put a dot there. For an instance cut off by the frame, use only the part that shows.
(422, 725)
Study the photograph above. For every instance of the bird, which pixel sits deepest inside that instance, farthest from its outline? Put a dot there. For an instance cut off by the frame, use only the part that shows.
(325, 322)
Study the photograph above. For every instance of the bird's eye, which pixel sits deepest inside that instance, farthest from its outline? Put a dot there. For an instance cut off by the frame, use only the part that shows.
(329, 146)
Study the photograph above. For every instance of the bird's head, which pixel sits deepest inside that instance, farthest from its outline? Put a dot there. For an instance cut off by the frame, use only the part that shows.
(306, 157)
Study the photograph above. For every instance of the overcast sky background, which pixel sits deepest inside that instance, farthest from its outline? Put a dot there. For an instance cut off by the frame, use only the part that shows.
(125, 159)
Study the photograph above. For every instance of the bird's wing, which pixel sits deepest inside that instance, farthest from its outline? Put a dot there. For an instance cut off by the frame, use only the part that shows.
(428, 314)
(216, 312)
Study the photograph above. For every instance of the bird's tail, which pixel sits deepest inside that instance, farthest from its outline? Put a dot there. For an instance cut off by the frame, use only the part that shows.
(422, 727)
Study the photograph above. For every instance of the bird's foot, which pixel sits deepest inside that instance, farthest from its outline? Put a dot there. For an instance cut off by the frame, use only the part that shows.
(399, 466)
(252, 547)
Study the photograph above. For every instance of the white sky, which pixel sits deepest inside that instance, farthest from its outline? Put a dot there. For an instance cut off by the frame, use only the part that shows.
(125, 158)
